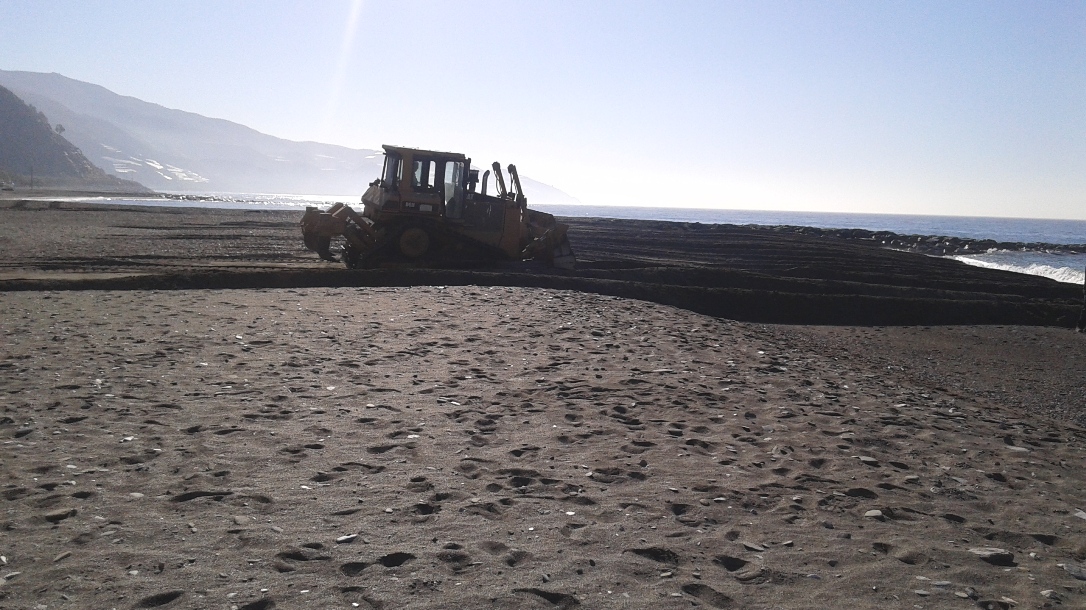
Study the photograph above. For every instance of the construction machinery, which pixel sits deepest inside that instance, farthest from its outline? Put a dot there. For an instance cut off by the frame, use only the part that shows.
(426, 210)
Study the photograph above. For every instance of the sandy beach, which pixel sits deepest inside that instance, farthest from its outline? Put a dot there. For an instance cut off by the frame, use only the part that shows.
(249, 441)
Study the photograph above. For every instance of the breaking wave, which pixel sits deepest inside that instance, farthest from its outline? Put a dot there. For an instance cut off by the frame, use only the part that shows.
(1068, 268)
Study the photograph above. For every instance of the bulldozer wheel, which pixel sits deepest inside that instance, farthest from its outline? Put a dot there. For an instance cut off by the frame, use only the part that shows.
(414, 242)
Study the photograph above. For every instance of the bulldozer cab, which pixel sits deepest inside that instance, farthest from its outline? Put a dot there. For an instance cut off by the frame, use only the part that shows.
(431, 183)
(419, 182)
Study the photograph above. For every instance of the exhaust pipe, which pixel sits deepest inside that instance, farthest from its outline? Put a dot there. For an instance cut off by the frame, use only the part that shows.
(521, 199)
(499, 180)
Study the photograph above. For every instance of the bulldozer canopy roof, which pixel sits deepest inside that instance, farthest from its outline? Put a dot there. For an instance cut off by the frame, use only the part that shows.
(418, 152)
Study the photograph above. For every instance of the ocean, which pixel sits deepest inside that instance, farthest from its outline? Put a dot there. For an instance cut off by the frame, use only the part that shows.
(1033, 259)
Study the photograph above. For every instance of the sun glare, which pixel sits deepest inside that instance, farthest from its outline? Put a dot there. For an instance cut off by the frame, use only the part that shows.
(335, 89)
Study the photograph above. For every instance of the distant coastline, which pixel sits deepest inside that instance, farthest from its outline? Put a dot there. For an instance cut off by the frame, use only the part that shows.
(46, 193)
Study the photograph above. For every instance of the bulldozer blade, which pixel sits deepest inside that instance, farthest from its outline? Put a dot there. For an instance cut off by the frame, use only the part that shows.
(552, 245)
(562, 256)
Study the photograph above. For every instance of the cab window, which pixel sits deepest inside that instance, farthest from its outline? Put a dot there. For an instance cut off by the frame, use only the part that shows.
(454, 176)
(454, 191)
(393, 171)
(422, 175)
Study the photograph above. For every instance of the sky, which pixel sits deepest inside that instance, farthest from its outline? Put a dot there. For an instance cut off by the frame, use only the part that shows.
(913, 107)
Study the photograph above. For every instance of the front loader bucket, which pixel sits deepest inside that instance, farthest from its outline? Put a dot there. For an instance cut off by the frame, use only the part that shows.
(317, 231)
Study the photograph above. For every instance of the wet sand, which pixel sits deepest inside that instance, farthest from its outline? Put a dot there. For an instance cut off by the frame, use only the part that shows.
(508, 446)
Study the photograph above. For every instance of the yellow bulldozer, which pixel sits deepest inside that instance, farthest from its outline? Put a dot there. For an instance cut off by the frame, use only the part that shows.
(430, 208)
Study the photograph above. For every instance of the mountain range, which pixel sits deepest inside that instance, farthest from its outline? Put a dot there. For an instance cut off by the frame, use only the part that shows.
(182, 152)
(34, 153)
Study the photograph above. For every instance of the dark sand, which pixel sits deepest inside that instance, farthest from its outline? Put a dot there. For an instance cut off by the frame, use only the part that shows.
(513, 446)
(721, 270)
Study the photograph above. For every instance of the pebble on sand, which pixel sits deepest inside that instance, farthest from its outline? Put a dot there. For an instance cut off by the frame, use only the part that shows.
(57, 516)
(1074, 570)
(993, 555)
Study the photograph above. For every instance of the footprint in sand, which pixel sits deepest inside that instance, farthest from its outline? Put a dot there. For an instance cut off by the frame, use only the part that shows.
(356, 596)
(635, 447)
(303, 554)
(486, 510)
(419, 484)
(353, 568)
(657, 554)
(860, 492)
(159, 599)
(423, 510)
(562, 601)
(367, 468)
(395, 560)
(392, 560)
(192, 495)
(709, 595)
(379, 449)
(454, 556)
(516, 558)
(729, 563)
(493, 547)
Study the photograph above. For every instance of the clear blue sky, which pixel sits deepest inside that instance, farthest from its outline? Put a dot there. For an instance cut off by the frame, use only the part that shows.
(944, 107)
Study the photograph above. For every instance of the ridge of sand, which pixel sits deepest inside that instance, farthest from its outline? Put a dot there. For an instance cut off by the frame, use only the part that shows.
(735, 272)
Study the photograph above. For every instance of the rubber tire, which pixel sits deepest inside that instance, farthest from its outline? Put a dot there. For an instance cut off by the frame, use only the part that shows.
(414, 242)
